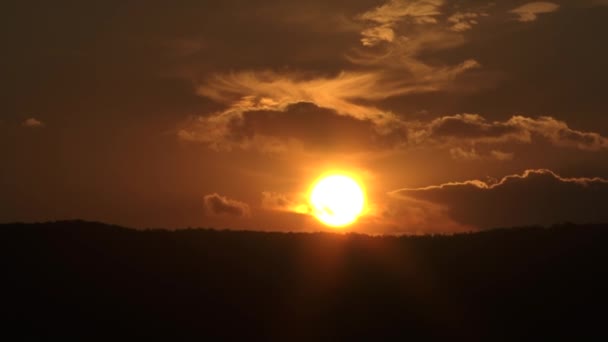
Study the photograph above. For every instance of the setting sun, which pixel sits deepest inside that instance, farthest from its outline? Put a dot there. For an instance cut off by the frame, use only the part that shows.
(337, 200)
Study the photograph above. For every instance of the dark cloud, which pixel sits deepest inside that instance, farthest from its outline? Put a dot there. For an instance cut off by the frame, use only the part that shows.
(216, 204)
(259, 124)
(534, 197)
(316, 127)
(299, 125)
(470, 126)
(474, 129)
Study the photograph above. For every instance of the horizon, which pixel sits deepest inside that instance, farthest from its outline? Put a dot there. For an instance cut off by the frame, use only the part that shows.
(555, 226)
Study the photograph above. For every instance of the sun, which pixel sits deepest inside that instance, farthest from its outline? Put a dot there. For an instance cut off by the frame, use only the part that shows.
(337, 200)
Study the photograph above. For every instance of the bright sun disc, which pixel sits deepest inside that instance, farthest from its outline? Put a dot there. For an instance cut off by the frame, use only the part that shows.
(337, 200)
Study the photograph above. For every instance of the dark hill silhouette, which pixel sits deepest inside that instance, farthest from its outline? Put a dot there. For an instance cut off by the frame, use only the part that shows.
(88, 280)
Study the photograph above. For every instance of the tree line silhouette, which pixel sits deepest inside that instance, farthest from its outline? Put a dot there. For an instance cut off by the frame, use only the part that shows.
(89, 280)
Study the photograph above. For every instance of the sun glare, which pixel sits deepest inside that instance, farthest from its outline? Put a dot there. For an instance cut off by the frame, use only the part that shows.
(337, 200)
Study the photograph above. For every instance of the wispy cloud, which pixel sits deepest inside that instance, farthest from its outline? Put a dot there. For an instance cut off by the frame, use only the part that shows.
(530, 11)
(460, 153)
(294, 203)
(395, 71)
(269, 91)
(275, 91)
(409, 29)
(385, 17)
(464, 21)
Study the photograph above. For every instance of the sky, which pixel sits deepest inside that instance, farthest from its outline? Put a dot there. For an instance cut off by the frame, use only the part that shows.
(454, 115)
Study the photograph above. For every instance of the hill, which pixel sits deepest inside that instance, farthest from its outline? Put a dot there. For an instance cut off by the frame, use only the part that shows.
(89, 280)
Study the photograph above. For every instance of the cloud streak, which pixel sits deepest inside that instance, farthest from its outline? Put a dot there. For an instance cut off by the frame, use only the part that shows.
(533, 197)
(459, 153)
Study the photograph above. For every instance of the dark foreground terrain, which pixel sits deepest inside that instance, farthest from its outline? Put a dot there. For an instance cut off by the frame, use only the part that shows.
(87, 280)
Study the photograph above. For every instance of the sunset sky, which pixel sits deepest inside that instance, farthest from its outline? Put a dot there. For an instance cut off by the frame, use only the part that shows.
(453, 115)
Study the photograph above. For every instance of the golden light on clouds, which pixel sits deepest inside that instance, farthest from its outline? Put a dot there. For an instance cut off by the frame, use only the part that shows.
(337, 200)
(243, 106)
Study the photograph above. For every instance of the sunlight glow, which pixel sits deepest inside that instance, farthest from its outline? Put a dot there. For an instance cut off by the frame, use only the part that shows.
(337, 200)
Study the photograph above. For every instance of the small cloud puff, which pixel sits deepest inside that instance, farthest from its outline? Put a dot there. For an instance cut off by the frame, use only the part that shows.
(530, 11)
(216, 204)
(32, 123)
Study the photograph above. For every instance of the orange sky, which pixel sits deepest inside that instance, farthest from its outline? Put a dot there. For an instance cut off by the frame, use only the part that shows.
(455, 115)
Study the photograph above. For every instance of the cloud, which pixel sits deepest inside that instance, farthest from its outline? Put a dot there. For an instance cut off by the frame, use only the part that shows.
(216, 204)
(298, 126)
(376, 34)
(394, 70)
(274, 200)
(273, 127)
(464, 21)
(408, 72)
(396, 10)
(462, 154)
(285, 202)
(385, 17)
(275, 91)
(406, 215)
(500, 155)
(474, 129)
(530, 11)
(459, 153)
(534, 197)
(263, 92)
(32, 123)
(408, 29)
(259, 112)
